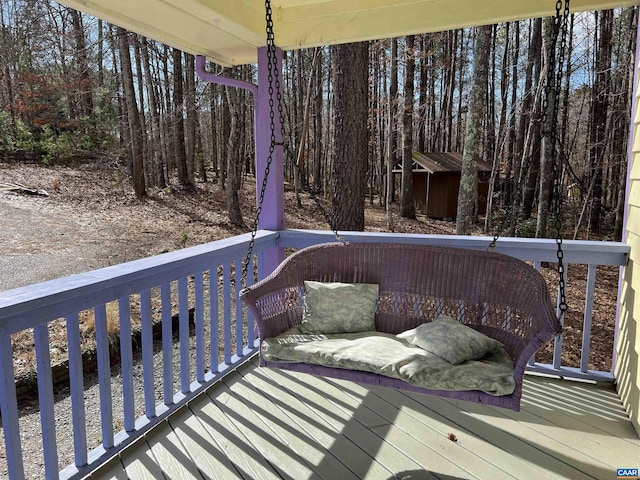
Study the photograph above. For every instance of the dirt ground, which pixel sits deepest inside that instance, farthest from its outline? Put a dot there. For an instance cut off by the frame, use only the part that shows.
(91, 219)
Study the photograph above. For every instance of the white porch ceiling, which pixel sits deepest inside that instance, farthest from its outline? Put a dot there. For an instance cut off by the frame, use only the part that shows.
(229, 31)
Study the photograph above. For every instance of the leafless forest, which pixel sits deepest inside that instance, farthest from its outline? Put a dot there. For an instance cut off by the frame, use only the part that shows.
(75, 89)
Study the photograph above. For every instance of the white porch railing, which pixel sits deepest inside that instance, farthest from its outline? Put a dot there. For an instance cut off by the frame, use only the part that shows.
(199, 282)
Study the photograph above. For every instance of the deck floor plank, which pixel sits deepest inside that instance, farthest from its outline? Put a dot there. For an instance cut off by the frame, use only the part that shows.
(416, 417)
(112, 470)
(413, 452)
(570, 405)
(433, 433)
(273, 424)
(516, 439)
(318, 429)
(249, 463)
(359, 431)
(268, 404)
(211, 460)
(139, 462)
(371, 463)
(265, 438)
(171, 454)
(567, 460)
(605, 449)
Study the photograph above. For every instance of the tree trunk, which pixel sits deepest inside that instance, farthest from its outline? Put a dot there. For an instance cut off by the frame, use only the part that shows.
(317, 125)
(84, 83)
(392, 139)
(169, 131)
(7, 46)
(195, 163)
(529, 164)
(391, 133)
(499, 152)
(467, 195)
(305, 123)
(407, 206)
(350, 83)
(178, 120)
(546, 166)
(233, 161)
(215, 128)
(422, 97)
(490, 120)
(155, 151)
(600, 105)
(132, 115)
(226, 133)
(141, 113)
(451, 80)
(533, 56)
(627, 67)
(512, 122)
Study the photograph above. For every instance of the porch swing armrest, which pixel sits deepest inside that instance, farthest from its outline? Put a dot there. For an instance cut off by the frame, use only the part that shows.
(273, 313)
(546, 326)
(276, 301)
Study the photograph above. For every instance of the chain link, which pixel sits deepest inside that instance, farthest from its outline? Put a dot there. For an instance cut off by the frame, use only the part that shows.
(554, 79)
(307, 189)
(273, 80)
(271, 68)
(560, 26)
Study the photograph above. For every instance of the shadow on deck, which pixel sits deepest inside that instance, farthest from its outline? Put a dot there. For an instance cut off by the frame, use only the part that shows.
(264, 424)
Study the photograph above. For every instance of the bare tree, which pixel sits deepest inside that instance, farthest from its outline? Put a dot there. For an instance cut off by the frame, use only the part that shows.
(544, 197)
(233, 160)
(178, 120)
(392, 125)
(132, 115)
(467, 195)
(350, 83)
(599, 108)
(407, 207)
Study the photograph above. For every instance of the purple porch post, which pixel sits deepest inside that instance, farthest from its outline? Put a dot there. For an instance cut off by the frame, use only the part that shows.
(272, 215)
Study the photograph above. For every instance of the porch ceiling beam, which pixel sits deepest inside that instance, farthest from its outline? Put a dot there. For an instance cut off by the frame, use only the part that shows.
(315, 23)
(227, 36)
(229, 32)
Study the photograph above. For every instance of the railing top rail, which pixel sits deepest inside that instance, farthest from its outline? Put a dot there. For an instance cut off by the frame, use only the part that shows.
(25, 307)
(28, 306)
(538, 249)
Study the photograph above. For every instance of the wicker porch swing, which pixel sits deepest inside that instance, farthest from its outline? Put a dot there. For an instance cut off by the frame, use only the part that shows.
(477, 316)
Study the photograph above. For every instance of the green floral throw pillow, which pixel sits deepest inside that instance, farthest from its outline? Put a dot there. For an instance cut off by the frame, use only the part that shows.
(339, 307)
(450, 340)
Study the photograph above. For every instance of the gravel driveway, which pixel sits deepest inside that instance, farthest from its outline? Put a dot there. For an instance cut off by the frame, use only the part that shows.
(38, 244)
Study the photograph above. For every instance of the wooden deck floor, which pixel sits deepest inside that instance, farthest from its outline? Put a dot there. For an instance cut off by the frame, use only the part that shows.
(265, 424)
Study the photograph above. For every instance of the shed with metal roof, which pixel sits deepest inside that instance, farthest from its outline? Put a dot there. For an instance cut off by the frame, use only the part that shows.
(436, 181)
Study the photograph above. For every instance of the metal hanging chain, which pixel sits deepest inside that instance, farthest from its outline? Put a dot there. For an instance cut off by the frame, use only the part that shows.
(271, 68)
(560, 31)
(307, 189)
(560, 27)
(553, 81)
(273, 80)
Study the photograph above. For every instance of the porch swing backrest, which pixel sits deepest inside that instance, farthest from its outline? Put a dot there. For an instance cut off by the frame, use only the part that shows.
(500, 296)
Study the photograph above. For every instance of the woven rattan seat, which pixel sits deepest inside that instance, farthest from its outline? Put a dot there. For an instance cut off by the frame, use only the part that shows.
(500, 296)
